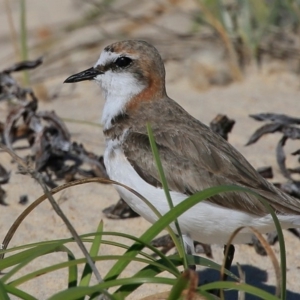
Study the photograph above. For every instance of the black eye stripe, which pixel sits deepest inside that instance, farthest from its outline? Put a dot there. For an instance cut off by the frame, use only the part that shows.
(123, 61)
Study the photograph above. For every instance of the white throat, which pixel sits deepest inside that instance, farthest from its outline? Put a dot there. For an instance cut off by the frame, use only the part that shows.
(118, 89)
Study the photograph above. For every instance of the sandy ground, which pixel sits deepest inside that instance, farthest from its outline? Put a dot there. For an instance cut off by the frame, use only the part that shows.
(272, 89)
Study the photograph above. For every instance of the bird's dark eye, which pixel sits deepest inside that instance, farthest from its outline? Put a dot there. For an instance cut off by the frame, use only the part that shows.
(123, 61)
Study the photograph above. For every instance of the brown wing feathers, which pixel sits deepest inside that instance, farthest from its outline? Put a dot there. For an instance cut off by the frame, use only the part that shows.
(194, 158)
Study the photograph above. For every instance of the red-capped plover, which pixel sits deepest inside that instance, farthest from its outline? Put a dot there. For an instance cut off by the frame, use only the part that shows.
(132, 77)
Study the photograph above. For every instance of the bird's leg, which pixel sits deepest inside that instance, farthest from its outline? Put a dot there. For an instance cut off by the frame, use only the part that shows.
(189, 248)
(228, 262)
(229, 258)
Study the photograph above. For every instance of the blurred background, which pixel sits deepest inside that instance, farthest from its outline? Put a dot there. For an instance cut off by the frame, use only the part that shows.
(216, 41)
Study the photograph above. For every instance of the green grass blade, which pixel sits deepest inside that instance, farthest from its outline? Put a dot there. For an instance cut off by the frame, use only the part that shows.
(14, 270)
(206, 262)
(148, 245)
(40, 251)
(25, 255)
(73, 271)
(180, 285)
(75, 292)
(79, 292)
(186, 282)
(281, 247)
(18, 293)
(69, 264)
(168, 218)
(139, 245)
(180, 248)
(85, 238)
(239, 287)
(46, 270)
(150, 271)
(87, 272)
(135, 280)
(3, 292)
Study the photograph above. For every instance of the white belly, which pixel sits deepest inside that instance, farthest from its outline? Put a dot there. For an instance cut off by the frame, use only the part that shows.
(205, 222)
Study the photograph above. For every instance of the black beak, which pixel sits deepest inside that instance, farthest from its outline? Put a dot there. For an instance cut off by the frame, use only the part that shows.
(88, 74)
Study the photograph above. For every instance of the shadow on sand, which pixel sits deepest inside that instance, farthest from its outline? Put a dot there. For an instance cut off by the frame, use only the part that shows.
(254, 276)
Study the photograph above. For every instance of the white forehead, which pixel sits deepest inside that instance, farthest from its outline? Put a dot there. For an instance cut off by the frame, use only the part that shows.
(108, 56)
(105, 57)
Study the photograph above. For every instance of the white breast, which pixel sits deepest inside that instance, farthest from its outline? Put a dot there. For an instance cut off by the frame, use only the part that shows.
(205, 222)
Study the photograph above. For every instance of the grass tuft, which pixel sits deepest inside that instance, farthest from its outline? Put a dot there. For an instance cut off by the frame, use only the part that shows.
(185, 283)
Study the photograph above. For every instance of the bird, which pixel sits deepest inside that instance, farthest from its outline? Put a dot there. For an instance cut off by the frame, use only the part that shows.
(131, 74)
